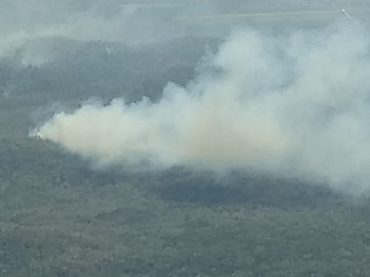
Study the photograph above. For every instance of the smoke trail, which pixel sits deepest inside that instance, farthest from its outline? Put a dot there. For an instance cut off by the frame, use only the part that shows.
(296, 105)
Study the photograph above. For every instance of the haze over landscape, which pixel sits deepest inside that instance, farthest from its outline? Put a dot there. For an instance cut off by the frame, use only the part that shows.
(184, 138)
(293, 105)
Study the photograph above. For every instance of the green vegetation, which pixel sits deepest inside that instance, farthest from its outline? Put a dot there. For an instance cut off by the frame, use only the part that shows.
(60, 217)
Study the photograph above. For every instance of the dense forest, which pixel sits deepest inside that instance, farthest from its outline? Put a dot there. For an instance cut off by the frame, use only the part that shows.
(63, 216)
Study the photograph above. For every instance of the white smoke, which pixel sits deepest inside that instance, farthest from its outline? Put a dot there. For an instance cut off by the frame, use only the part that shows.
(297, 105)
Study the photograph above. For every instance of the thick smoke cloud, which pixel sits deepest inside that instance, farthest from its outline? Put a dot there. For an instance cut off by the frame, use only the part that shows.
(295, 105)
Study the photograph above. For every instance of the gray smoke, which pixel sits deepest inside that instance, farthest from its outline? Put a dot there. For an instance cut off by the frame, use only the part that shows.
(28, 28)
(295, 105)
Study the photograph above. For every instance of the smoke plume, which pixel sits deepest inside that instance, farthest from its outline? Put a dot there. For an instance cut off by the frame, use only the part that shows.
(294, 105)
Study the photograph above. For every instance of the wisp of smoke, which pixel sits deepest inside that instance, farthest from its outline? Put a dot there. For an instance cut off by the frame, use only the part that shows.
(29, 29)
(294, 105)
